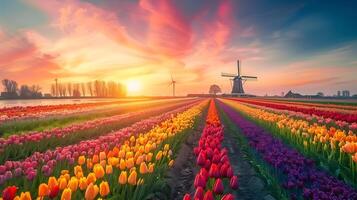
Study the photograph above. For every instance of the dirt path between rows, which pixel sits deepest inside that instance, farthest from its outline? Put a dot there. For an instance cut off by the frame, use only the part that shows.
(182, 175)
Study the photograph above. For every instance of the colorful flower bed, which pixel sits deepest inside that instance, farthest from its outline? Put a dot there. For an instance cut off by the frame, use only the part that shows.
(215, 169)
(338, 116)
(110, 168)
(299, 175)
(21, 146)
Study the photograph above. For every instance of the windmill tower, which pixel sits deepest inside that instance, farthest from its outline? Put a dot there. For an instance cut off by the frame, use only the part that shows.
(173, 83)
(238, 80)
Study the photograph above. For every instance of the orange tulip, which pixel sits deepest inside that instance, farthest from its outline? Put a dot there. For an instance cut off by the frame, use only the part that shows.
(103, 163)
(129, 163)
(148, 157)
(121, 154)
(62, 183)
(95, 159)
(63, 172)
(77, 169)
(159, 155)
(148, 148)
(91, 192)
(73, 184)
(91, 178)
(129, 154)
(143, 168)
(151, 168)
(66, 194)
(122, 164)
(139, 160)
(354, 158)
(83, 183)
(52, 182)
(113, 161)
(81, 160)
(108, 169)
(123, 178)
(89, 163)
(43, 190)
(104, 189)
(102, 155)
(132, 178)
(98, 171)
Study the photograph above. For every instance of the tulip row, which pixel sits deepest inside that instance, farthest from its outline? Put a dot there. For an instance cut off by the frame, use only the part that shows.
(21, 146)
(299, 175)
(334, 148)
(43, 164)
(311, 119)
(215, 167)
(327, 105)
(338, 116)
(115, 170)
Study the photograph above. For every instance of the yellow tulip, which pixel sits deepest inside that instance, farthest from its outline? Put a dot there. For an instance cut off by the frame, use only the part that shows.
(52, 182)
(62, 183)
(132, 178)
(148, 148)
(129, 163)
(159, 155)
(83, 183)
(113, 161)
(171, 163)
(81, 160)
(66, 194)
(122, 164)
(143, 168)
(73, 184)
(149, 157)
(77, 169)
(25, 196)
(43, 190)
(91, 178)
(91, 192)
(104, 189)
(66, 176)
(151, 168)
(123, 177)
(132, 139)
(79, 175)
(98, 171)
(129, 154)
(102, 155)
(166, 147)
(121, 154)
(63, 172)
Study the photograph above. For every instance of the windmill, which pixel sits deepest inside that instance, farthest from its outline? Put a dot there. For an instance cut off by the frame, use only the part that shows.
(173, 83)
(238, 80)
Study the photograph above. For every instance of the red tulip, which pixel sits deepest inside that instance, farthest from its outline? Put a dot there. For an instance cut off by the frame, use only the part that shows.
(223, 170)
(186, 197)
(218, 186)
(213, 171)
(199, 193)
(200, 181)
(216, 158)
(54, 191)
(201, 159)
(228, 197)
(208, 195)
(234, 182)
(204, 174)
(9, 193)
(229, 172)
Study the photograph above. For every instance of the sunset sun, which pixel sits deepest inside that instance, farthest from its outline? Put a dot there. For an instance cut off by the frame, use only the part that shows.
(133, 86)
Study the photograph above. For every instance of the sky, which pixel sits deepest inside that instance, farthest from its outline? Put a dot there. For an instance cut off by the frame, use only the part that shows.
(304, 46)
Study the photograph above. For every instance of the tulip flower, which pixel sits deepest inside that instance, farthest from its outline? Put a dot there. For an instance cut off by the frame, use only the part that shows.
(81, 160)
(213, 171)
(122, 164)
(199, 193)
(54, 190)
(102, 156)
(52, 182)
(108, 169)
(91, 192)
(73, 184)
(62, 183)
(98, 171)
(104, 189)
(132, 178)
(91, 178)
(9, 193)
(234, 182)
(228, 197)
(77, 169)
(143, 168)
(186, 197)
(123, 178)
(201, 160)
(171, 163)
(83, 183)
(25, 196)
(43, 190)
(218, 186)
(208, 195)
(199, 181)
(159, 155)
(66, 194)
(129, 163)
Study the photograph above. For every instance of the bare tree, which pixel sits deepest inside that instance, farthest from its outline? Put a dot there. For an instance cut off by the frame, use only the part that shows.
(90, 88)
(69, 89)
(83, 87)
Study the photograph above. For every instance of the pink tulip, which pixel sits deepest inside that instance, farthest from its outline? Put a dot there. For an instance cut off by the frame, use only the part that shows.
(234, 182)
(218, 186)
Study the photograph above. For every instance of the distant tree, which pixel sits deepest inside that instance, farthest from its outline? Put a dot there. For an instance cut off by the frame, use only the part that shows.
(10, 85)
(69, 89)
(33, 91)
(321, 94)
(83, 87)
(214, 89)
(90, 88)
(53, 90)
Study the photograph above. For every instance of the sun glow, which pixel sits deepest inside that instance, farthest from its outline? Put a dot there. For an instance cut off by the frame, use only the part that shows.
(133, 86)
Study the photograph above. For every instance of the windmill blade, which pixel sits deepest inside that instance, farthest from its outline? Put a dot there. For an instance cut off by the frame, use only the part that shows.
(249, 77)
(172, 79)
(238, 66)
(228, 75)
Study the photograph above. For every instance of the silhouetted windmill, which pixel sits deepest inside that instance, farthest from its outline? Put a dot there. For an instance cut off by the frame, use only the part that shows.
(238, 80)
(173, 83)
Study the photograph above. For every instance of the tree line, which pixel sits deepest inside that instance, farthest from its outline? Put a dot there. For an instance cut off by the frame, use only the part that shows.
(95, 88)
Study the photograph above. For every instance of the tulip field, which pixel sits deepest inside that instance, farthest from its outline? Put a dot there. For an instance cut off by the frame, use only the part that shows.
(185, 148)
